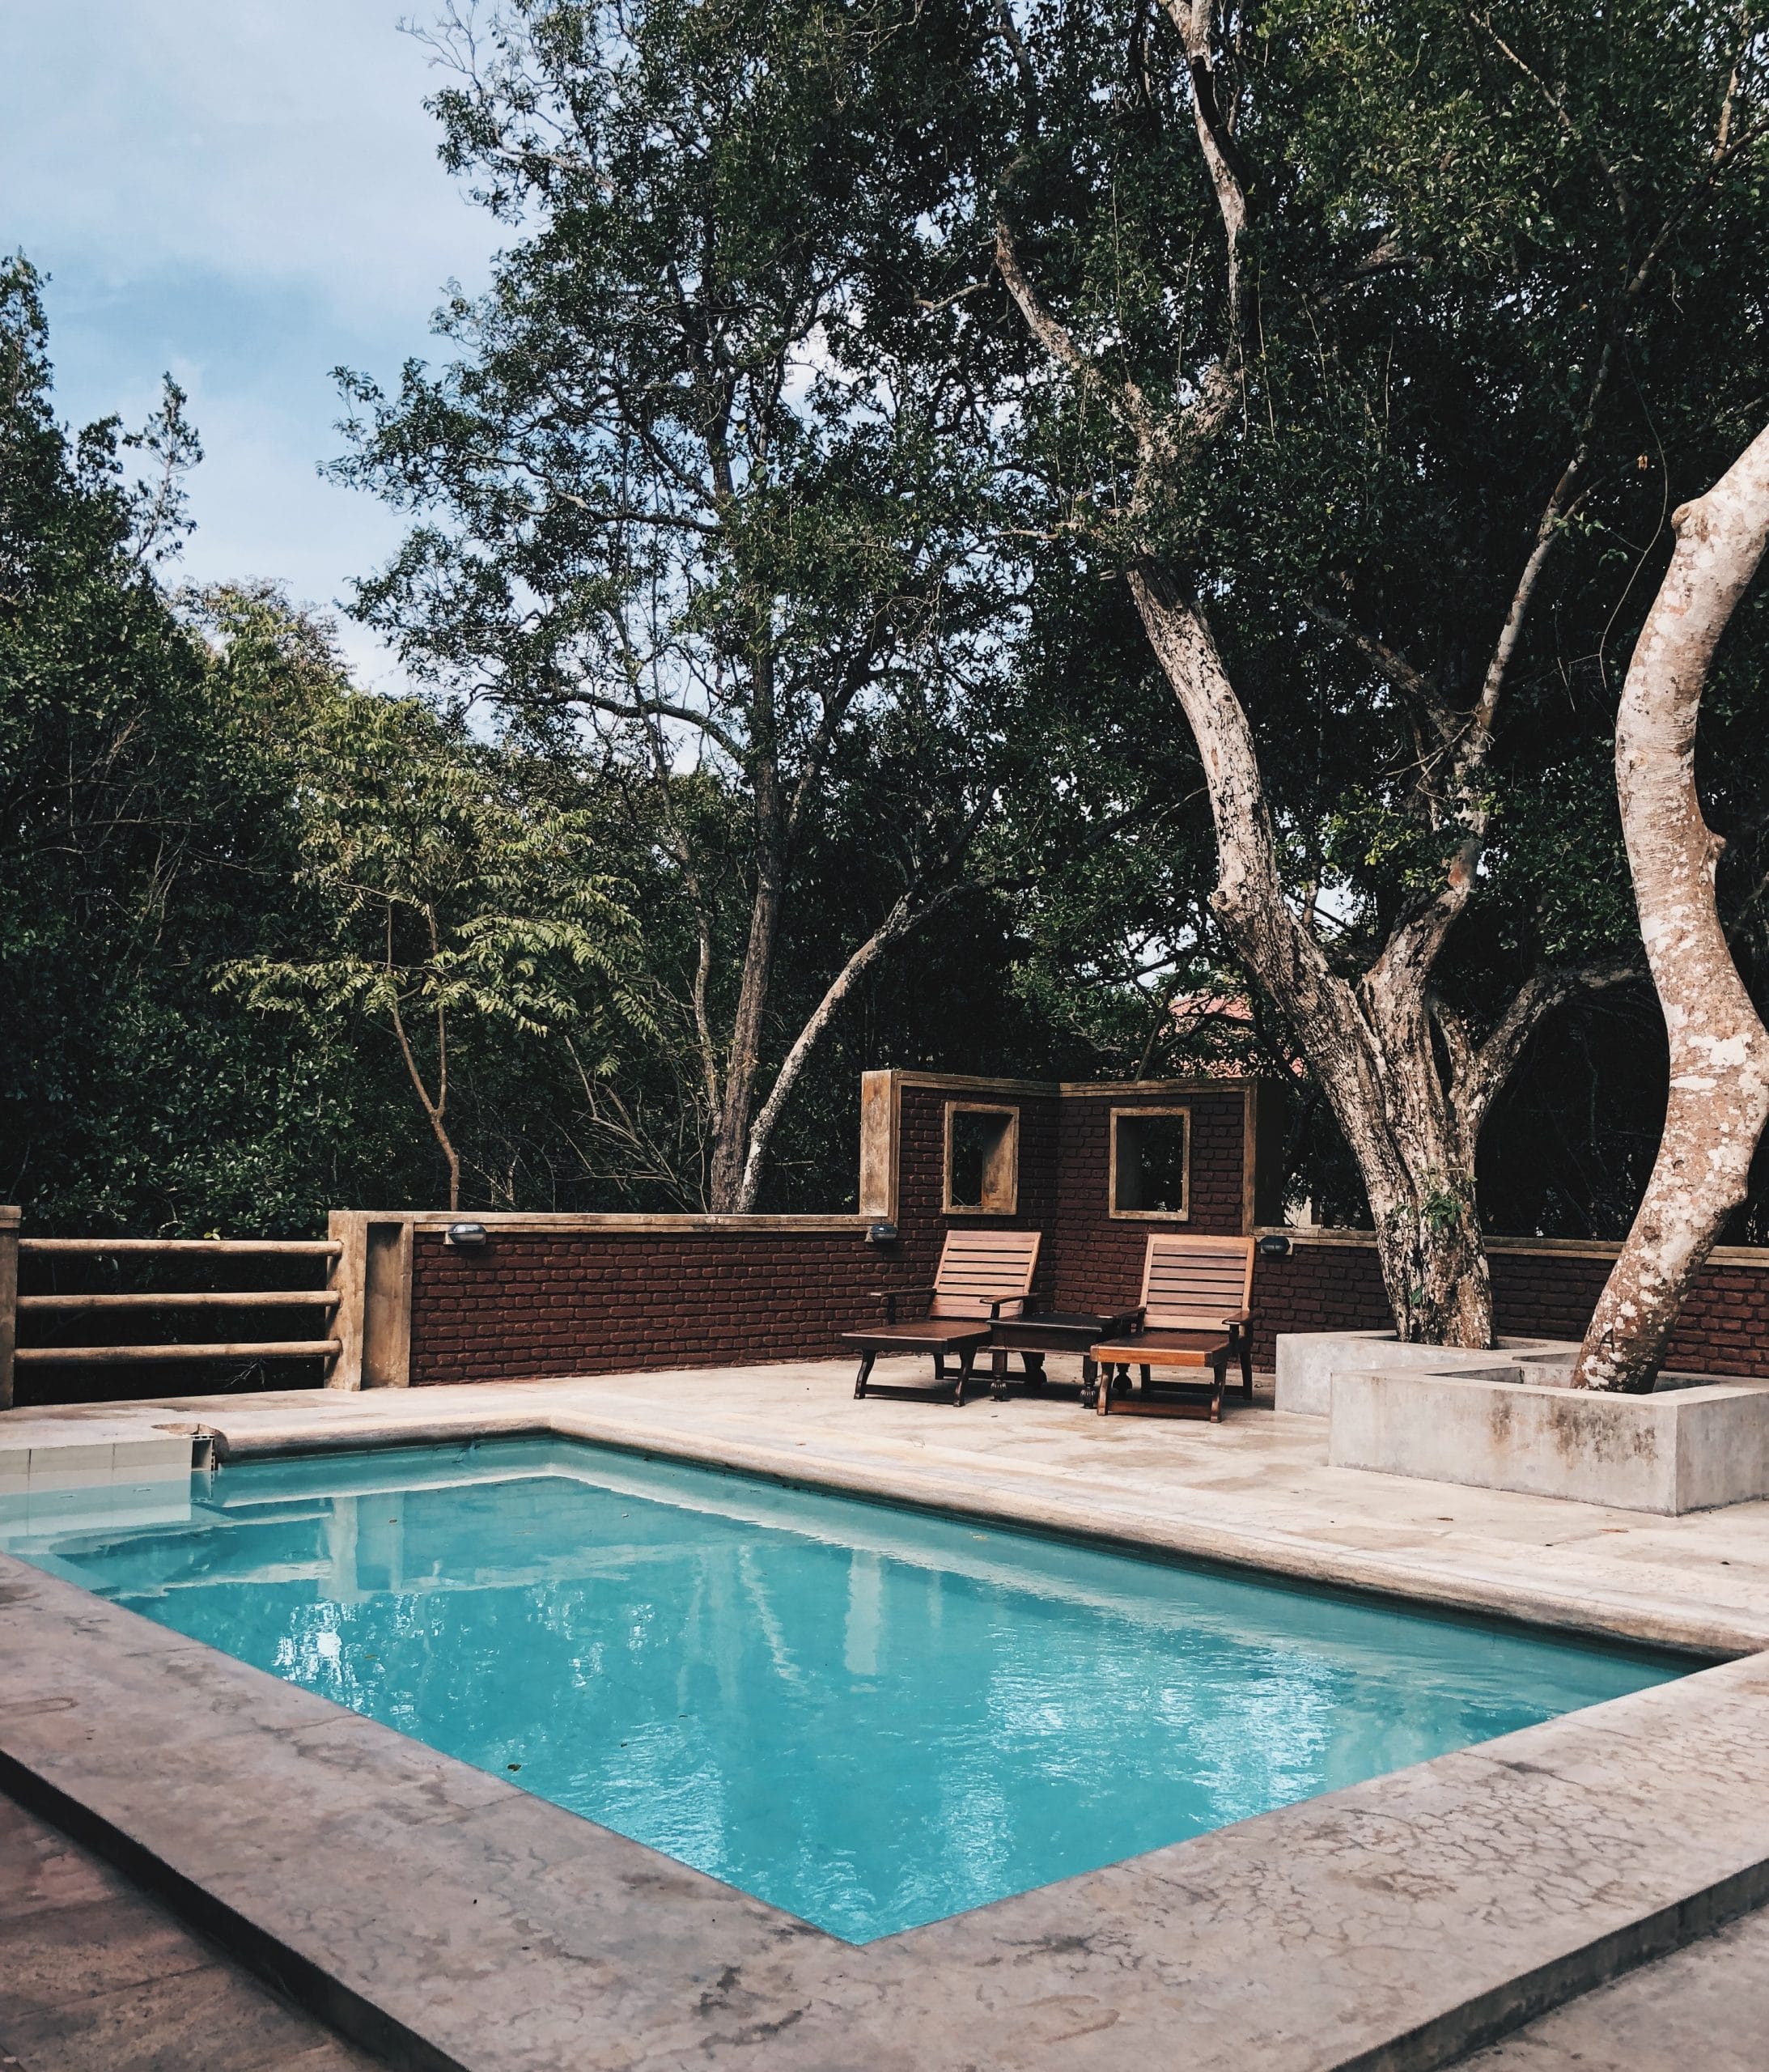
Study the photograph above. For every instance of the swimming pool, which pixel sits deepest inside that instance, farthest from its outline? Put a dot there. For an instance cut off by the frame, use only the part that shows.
(870, 1716)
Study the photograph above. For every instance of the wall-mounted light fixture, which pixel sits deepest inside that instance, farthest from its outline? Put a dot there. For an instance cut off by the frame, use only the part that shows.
(1275, 1247)
(466, 1236)
(881, 1234)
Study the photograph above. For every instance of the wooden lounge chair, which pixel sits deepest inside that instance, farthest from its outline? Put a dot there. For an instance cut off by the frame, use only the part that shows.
(982, 1275)
(1194, 1314)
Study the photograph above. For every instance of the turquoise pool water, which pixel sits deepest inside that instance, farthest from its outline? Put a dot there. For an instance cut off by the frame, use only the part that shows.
(869, 1716)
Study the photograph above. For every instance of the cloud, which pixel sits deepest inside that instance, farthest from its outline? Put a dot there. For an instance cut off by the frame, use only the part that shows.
(247, 195)
(274, 143)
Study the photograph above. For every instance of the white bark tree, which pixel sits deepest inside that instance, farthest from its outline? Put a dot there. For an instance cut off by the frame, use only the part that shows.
(1719, 1095)
(681, 495)
(1408, 1080)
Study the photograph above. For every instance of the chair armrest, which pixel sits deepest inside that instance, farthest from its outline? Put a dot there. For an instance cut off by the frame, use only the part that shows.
(1001, 1301)
(890, 1297)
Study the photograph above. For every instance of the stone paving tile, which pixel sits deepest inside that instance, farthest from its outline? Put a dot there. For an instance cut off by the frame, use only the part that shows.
(1706, 2009)
(98, 1977)
(67, 1953)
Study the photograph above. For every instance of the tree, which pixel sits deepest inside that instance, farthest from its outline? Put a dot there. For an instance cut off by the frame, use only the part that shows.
(697, 491)
(448, 888)
(167, 762)
(1356, 325)
(1718, 1047)
(141, 837)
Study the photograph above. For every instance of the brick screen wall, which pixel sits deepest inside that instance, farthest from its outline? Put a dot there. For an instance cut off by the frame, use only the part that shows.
(1098, 1257)
(598, 1302)
(566, 1300)
(921, 1218)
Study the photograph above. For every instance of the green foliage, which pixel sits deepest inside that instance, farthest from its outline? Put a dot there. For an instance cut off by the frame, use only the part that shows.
(195, 794)
(745, 502)
(1480, 242)
(446, 883)
(138, 821)
(698, 489)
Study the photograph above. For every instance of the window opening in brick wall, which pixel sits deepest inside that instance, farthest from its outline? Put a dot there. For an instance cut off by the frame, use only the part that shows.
(982, 1160)
(1152, 1162)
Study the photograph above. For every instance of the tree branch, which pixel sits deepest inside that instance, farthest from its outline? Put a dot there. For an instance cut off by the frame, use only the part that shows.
(1479, 1072)
(1222, 158)
(902, 917)
(1389, 663)
(662, 708)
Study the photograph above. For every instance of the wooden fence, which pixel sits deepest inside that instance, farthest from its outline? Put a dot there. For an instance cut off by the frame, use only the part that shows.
(161, 1325)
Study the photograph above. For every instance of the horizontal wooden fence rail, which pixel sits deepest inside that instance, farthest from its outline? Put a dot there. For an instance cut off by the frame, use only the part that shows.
(151, 1344)
(239, 1298)
(117, 1356)
(326, 1248)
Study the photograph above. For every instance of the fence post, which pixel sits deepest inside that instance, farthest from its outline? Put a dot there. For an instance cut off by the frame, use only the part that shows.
(387, 1305)
(348, 1281)
(881, 1147)
(372, 1279)
(9, 1300)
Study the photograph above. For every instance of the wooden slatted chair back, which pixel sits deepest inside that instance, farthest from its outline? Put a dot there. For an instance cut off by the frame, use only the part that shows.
(978, 1268)
(1196, 1283)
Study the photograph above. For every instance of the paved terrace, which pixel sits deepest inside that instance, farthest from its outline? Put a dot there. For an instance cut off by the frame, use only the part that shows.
(97, 1976)
(1255, 1490)
(444, 1918)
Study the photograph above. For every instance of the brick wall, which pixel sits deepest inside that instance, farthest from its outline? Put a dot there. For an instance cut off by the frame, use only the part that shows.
(1315, 1288)
(597, 1301)
(1098, 1257)
(568, 1299)
(1544, 1294)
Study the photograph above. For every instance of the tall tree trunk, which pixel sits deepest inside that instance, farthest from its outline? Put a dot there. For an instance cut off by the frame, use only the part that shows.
(1371, 1043)
(730, 1146)
(1719, 1096)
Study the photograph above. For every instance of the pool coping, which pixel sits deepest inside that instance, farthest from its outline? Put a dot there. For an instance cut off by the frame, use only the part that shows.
(444, 1918)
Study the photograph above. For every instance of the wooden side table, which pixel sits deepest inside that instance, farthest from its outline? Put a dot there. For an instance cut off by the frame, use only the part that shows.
(1051, 1331)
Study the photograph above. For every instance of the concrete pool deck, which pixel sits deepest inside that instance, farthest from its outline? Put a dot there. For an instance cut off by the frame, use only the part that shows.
(443, 1918)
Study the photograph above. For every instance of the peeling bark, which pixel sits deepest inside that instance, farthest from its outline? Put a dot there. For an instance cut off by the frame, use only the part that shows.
(1719, 1097)
(1367, 1042)
(1372, 1042)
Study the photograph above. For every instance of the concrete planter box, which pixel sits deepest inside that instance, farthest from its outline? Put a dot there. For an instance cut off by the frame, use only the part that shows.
(1688, 1450)
(1307, 1361)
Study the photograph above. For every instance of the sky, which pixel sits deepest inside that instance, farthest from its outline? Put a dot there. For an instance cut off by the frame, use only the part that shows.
(244, 195)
